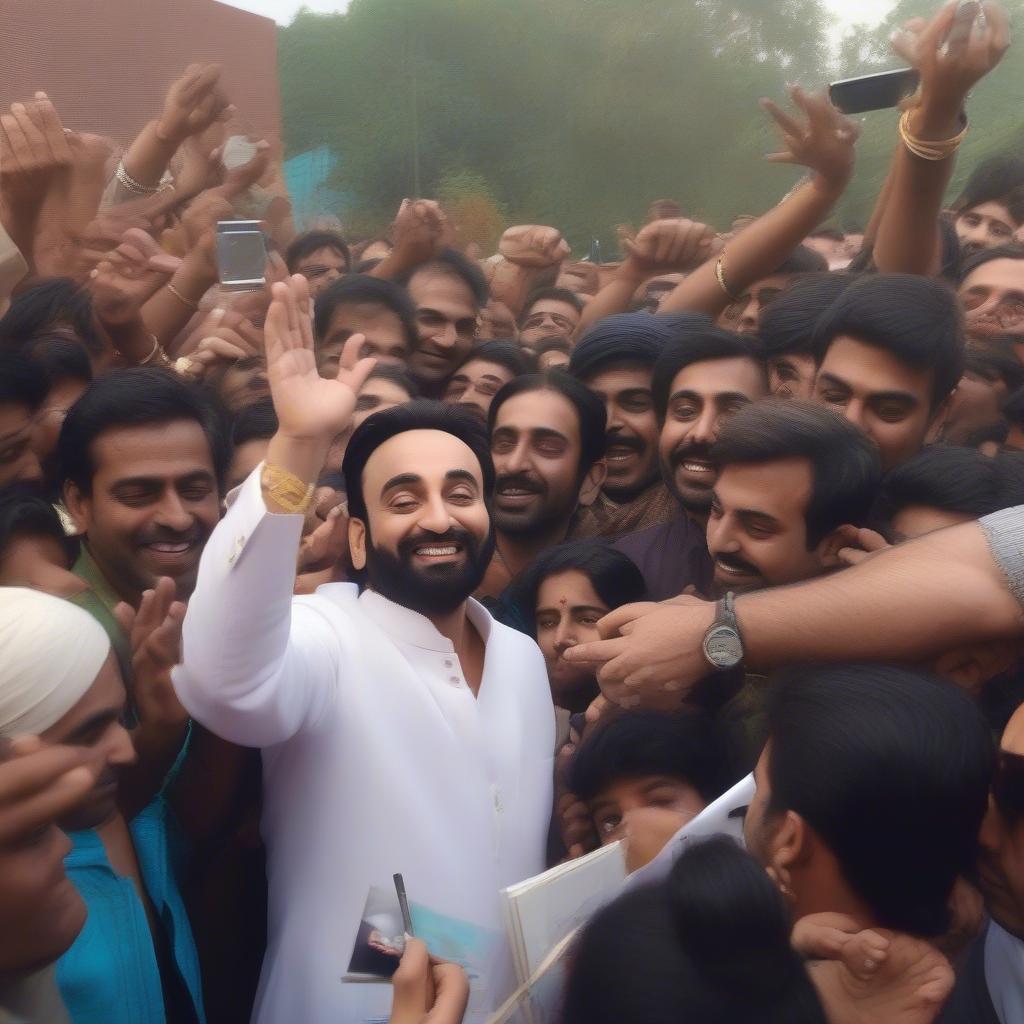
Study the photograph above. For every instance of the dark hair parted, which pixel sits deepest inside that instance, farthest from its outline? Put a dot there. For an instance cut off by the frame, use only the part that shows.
(358, 289)
(917, 320)
(22, 380)
(590, 410)
(453, 263)
(256, 422)
(570, 298)
(845, 465)
(891, 769)
(787, 323)
(420, 414)
(683, 745)
(992, 181)
(709, 945)
(625, 338)
(54, 302)
(309, 242)
(145, 396)
(24, 514)
(502, 353)
(699, 341)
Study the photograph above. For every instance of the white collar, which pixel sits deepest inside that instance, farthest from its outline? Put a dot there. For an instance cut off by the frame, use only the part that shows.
(416, 630)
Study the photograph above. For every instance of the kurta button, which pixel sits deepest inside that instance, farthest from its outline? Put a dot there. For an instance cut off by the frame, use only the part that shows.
(447, 662)
(454, 679)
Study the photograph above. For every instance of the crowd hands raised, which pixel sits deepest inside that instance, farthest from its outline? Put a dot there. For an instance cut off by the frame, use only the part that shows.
(730, 486)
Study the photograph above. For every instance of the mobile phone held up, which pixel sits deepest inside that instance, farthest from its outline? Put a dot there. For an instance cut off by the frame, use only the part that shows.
(873, 92)
(241, 255)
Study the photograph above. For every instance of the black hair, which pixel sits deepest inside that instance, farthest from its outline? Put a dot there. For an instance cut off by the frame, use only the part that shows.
(504, 353)
(54, 302)
(552, 343)
(637, 338)
(699, 341)
(945, 477)
(24, 514)
(682, 745)
(1012, 251)
(453, 263)
(845, 466)
(1013, 408)
(993, 365)
(570, 298)
(614, 577)
(365, 266)
(708, 945)
(802, 260)
(398, 376)
(590, 410)
(420, 414)
(1010, 473)
(787, 323)
(991, 181)
(22, 381)
(891, 770)
(256, 422)
(916, 319)
(353, 289)
(140, 397)
(309, 242)
(60, 358)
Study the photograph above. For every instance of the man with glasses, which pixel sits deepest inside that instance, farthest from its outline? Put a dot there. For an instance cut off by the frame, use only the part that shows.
(549, 311)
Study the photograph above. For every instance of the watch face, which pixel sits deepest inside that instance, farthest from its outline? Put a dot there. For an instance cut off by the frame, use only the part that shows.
(722, 647)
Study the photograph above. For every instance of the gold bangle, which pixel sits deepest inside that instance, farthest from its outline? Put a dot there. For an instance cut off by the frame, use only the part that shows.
(720, 277)
(933, 150)
(286, 489)
(157, 353)
(181, 298)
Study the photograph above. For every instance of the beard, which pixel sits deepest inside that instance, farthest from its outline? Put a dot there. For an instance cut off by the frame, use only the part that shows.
(529, 522)
(432, 590)
(693, 498)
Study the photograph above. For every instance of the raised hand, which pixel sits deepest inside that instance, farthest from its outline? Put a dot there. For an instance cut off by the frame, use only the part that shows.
(192, 104)
(961, 44)
(33, 149)
(533, 245)
(666, 246)
(126, 277)
(427, 991)
(309, 407)
(420, 231)
(825, 141)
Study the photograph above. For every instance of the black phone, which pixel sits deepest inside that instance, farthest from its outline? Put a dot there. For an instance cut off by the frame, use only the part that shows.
(873, 92)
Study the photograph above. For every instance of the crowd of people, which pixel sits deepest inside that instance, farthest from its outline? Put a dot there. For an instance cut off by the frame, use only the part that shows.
(421, 560)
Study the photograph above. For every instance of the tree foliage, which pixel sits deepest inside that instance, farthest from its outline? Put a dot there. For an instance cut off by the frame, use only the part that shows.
(578, 113)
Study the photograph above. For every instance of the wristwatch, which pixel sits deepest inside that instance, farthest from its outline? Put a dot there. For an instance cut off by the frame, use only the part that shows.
(723, 645)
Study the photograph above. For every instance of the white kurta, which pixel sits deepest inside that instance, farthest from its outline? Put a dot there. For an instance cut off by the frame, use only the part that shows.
(377, 758)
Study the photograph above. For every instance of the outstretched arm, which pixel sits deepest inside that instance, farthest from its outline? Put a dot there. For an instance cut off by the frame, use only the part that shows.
(256, 670)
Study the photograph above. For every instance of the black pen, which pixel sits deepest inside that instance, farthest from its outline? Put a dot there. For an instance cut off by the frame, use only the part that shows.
(403, 904)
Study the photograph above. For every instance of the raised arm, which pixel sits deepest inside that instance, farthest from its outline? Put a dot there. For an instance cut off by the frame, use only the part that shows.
(956, 586)
(952, 52)
(256, 670)
(825, 143)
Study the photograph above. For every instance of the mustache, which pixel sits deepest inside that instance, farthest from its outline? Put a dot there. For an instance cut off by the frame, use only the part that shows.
(624, 441)
(739, 564)
(521, 481)
(161, 535)
(691, 451)
(453, 535)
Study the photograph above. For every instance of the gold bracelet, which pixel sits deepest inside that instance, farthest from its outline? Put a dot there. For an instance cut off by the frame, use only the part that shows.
(940, 149)
(720, 277)
(286, 489)
(181, 298)
(156, 353)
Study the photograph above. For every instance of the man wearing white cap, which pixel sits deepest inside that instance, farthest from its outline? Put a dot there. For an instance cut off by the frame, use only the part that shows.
(60, 680)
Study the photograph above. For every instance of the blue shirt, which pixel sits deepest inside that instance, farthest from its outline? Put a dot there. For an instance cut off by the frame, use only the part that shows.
(111, 974)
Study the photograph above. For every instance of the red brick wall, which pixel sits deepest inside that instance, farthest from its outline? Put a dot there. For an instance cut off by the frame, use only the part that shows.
(106, 64)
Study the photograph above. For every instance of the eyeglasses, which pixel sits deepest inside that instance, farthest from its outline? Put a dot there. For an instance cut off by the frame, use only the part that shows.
(538, 320)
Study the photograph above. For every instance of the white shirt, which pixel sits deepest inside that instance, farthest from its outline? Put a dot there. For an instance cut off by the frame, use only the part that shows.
(377, 758)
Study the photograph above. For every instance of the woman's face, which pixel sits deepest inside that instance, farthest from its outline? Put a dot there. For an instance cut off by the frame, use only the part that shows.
(567, 613)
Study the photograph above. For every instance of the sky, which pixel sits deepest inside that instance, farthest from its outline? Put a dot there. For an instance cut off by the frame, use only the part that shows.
(847, 12)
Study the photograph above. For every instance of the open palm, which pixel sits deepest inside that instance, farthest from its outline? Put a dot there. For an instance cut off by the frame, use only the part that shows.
(308, 406)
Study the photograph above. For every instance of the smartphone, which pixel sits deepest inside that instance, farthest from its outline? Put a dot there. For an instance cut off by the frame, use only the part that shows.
(241, 255)
(238, 151)
(873, 92)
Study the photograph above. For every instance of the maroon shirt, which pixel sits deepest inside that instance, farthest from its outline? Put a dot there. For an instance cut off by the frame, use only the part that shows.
(671, 557)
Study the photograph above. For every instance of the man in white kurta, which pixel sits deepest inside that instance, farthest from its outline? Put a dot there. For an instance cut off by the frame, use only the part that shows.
(377, 757)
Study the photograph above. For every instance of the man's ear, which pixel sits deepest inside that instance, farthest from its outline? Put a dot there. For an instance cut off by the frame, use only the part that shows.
(790, 845)
(937, 420)
(973, 665)
(592, 483)
(79, 507)
(357, 543)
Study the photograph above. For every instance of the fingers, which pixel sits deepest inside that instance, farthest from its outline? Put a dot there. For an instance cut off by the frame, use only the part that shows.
(41, 786)
(612, 623)
(959, 35)
(788, 124)
(410, 985)
(998, 22)
(125, 615)
(597, 652)
(275, 327)
(599, 707)
(53, 129)
(452, 994)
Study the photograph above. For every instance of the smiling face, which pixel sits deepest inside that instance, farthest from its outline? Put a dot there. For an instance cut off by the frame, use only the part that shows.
(95, 721)
(152, 505)
(887, 399)
(427, 539)
(993, 298)
(632, 436)
(567, 614)
(475, 384)
(701, 397)
(757, 530)
(548, 316)
(446, 317)
(536, 447)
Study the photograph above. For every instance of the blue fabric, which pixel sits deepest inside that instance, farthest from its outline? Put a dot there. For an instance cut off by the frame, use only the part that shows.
(111, 974)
